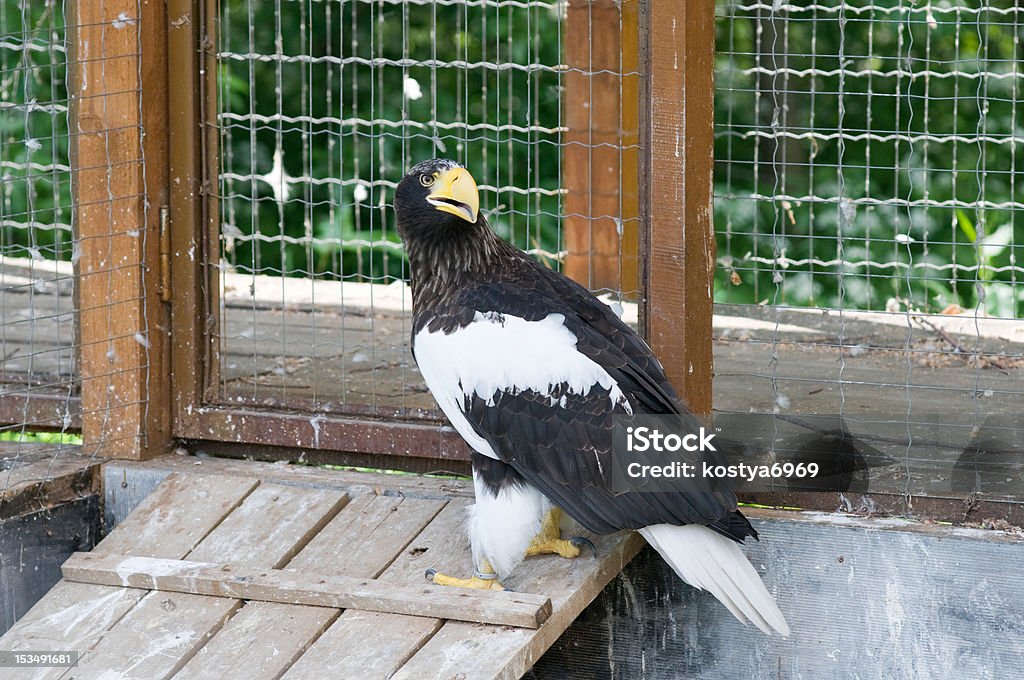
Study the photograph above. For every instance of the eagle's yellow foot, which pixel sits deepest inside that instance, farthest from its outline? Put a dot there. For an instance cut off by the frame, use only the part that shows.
(485, 579)
(550, 541)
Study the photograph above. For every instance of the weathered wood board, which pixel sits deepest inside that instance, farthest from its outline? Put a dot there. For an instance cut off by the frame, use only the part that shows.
(290, 586)
(207, 541)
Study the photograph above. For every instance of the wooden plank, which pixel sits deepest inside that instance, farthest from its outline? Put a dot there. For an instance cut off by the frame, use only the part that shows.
(226, 580)
(271, 525)
(599, 166)
(40, 475)
(373, 529)
(677, 238)
(262, 531)
(341, 548)
(155, 638)
(442, 545)
(42, 409)
(261, 641)
(365, 645)
(70, 617)
(119, 165)
(190, 282)
(76, 616)
(176, 517)
(328, 432)
(472, 651)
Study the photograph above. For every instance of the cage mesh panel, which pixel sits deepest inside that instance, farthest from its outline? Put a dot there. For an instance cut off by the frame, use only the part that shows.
(322, 107)
(867, 167)
(39, 386)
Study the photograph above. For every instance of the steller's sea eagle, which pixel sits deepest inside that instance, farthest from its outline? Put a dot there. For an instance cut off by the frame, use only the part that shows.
(531, 369)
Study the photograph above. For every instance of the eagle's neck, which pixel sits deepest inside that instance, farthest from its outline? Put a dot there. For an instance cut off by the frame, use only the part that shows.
(450, 261)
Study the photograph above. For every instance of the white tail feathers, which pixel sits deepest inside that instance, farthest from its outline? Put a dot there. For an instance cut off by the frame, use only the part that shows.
(709, 561)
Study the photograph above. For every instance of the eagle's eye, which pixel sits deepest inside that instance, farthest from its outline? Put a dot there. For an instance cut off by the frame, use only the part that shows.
(427, 180)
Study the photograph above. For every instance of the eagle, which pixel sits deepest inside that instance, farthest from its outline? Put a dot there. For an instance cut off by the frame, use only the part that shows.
(532, 370)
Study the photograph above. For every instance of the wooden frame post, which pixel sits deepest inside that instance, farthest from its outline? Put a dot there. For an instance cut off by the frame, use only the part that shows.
(118, 90)
(192, 73)
(600, 157)
(677, 238)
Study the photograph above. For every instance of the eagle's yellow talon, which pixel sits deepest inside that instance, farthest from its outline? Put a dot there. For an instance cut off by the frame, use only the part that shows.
(556, 546)
(485, 579)
(550, 541)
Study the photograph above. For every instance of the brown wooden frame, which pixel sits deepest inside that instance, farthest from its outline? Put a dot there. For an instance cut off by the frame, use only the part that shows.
(119, 181)
(158, 393)
(421, 439)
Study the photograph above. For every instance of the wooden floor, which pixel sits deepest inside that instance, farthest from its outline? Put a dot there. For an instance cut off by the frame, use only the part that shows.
(369, 537)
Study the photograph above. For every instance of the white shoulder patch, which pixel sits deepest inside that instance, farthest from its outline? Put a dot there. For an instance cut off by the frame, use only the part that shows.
(500, 352)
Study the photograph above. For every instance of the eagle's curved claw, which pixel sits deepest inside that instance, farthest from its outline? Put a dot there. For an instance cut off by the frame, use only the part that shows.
(581, 542)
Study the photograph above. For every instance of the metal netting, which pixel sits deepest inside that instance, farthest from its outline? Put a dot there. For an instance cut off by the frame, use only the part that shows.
(74, 229)
(869, 153)
(39, 387)
(870, 227)
(322, 107)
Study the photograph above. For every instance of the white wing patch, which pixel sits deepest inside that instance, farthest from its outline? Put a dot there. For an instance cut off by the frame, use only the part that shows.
(500, 352)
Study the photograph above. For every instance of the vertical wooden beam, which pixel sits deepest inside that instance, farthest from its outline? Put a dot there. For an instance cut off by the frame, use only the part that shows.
(118, 88)
(677, 237)
(191, 283)
(599, 167)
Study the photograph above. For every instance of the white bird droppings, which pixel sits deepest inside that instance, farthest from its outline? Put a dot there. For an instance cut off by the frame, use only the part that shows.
(122, 21)
(411, 88)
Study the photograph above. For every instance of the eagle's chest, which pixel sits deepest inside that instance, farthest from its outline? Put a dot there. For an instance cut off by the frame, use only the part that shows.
(501, 355)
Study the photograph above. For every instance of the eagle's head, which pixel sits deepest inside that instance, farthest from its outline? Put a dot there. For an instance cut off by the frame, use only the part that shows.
(434, 198)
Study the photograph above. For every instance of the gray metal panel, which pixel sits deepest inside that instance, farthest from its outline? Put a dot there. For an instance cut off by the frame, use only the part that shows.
(124, 487)
(34, 545)
(865, 599)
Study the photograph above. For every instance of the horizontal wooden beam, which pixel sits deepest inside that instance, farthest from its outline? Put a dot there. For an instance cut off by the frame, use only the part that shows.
(325, 433)
(503, 608)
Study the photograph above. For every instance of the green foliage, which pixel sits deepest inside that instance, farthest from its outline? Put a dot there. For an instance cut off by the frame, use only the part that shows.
(35, 187)
(41, 437)
(930, 127)
(370, 151)
(914, 214)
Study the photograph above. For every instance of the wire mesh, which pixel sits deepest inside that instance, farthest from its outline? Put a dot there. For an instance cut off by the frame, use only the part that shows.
(73, 230)
(322, 107)
(867, 170)
(39, 385)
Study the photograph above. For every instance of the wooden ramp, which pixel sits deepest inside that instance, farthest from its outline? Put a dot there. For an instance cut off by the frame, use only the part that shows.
(218, 576)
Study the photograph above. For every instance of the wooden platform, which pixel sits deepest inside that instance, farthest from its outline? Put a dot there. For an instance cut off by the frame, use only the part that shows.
(133, 606)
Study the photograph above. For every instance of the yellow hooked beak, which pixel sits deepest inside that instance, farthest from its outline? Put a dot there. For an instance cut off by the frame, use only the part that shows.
(454, 191)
